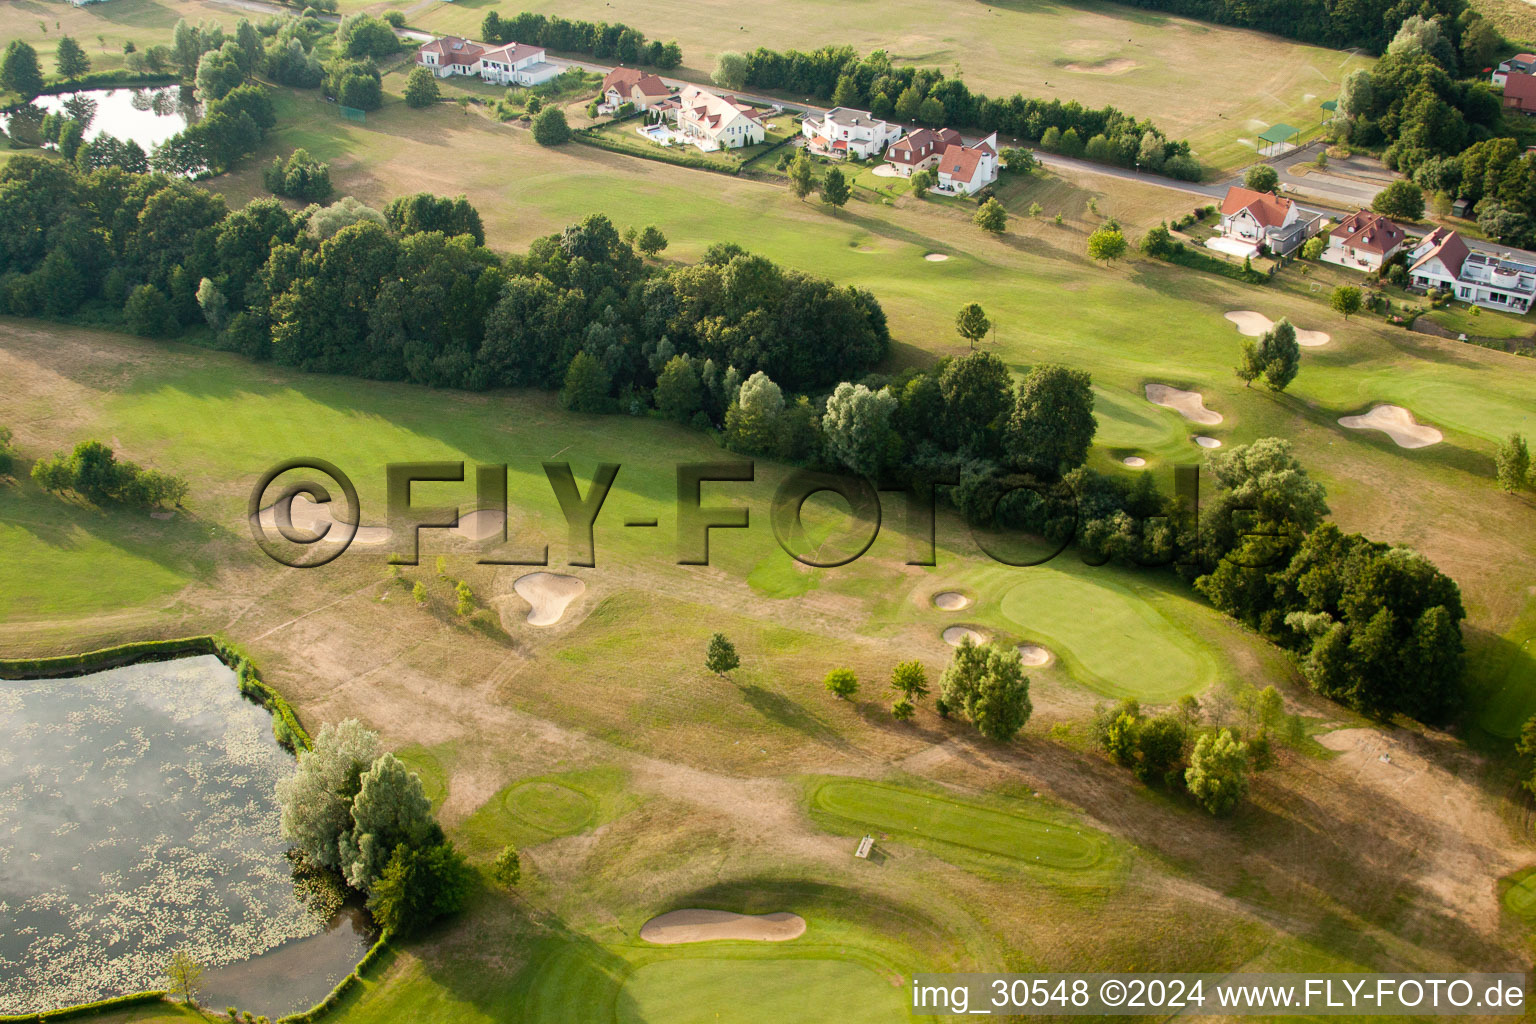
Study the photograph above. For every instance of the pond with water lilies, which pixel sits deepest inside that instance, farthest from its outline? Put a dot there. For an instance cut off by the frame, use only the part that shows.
(138, 817)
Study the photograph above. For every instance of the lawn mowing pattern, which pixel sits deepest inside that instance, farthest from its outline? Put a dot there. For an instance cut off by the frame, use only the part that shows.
(429, 767)
(550, 807)
(535, 810)
(933, 820)
(784, 991)
(1113, 639)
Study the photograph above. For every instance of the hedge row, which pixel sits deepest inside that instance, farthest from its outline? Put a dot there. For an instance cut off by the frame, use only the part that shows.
(87, 1009)
(345, 985)
(285, 723)
(1189, 256)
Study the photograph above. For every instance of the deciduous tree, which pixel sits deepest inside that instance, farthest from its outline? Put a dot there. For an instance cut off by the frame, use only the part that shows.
(721, 656)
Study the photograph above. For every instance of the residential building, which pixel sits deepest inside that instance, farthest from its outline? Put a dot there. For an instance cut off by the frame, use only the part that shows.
(712, 122)
(844, 132)
(631, 85)
(1364, 241)
(920, 150)
(1442, 260)
(1520, 63)
(517, 64)
(965, 170)
(1520, 93)
(1264, 219)
(450, 55)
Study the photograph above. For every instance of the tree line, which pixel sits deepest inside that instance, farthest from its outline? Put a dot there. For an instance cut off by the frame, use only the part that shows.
(924, 95)
(617, 42)
(1364, 23)
(1429, 108)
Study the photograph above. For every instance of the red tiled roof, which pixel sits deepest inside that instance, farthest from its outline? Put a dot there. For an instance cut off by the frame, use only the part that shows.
(920, 145)
(512, 53)
(960, 162)
(1521, 89)
(454, 50)
(1268, 210)
(652, 85)
(1447, 245)
(1369, 231)
(623, 78)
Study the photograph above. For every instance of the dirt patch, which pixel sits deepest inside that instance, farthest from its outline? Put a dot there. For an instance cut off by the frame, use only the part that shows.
(1113, 66)
(548, 594)
(951, 601)
(1397, 423)
(1189, 404)
(682, 926)
(955, 636)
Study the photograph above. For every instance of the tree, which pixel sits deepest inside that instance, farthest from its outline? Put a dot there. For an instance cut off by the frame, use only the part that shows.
(19, 71)
(390, 810)
(186, 47)
(421, 87)
(972, 324)
(147, 313)
(908, 102)
(847, 92)
(464, 598)
(419, 593)
(841, 683)
(1106, 244)
(1346, 299)
(987, 684)
(1313, 247)
(751, 422)
(1357, 94)
(550, 127)
(678, 392)
(991, 216)
(316, 800)
(507, 868)
(1051, 427)
(903, 710)
(586, 384)
(213, 304)
(802, 177)
(857, 427)
(1512, 464)
(1275, 356)
(721, 657)
(1261, 178)
(184, 976)
(931, 112)
(651, 241)
(835, 189)
(1217, 775)
(730, 70)
(1401, 199)
(71, 59)
(910, 680)
(418, 885)
(491, 28)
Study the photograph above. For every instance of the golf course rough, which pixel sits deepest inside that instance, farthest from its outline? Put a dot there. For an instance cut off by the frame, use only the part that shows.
(948, 826)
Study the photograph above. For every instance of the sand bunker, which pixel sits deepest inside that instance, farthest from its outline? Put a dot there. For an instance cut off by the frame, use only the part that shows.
(951, 601)
(480, 525)
(1030, 654)
(955, 636)
(1255, 324)
(1113, 66)
(1188, 404)
(548, 593)
(1397, 423)
(310, 517)
(936, 257)
(1134, 461)
(682, 926)
(1206, 442)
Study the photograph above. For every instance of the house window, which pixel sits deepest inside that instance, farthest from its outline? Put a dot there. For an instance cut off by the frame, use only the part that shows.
(1465, 291)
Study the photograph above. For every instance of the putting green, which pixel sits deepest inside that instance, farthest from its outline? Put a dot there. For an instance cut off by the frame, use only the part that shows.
(908, 814)
(782, 991)
(550, 807)
(1131, 422)
(1113, 639)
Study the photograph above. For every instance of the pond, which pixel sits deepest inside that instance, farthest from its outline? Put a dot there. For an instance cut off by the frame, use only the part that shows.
(146, 116)
(138, 816)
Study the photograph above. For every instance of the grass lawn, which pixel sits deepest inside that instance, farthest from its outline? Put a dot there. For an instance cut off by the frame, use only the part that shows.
(1475, 321)
(626, 134)
(1175, 71)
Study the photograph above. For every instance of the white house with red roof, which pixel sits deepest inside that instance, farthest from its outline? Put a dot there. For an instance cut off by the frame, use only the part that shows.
(450, 55)
(844, 132)
(1250, 218)
(966, 170)
(517, 64)
(1442, 260)
(1520, 64)
(711, 121)
(512, 64)
(1364, 241)
(920, 150)
(631, 85)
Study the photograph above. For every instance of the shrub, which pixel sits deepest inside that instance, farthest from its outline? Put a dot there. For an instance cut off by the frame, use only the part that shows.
(841, 683)
(550, 127)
